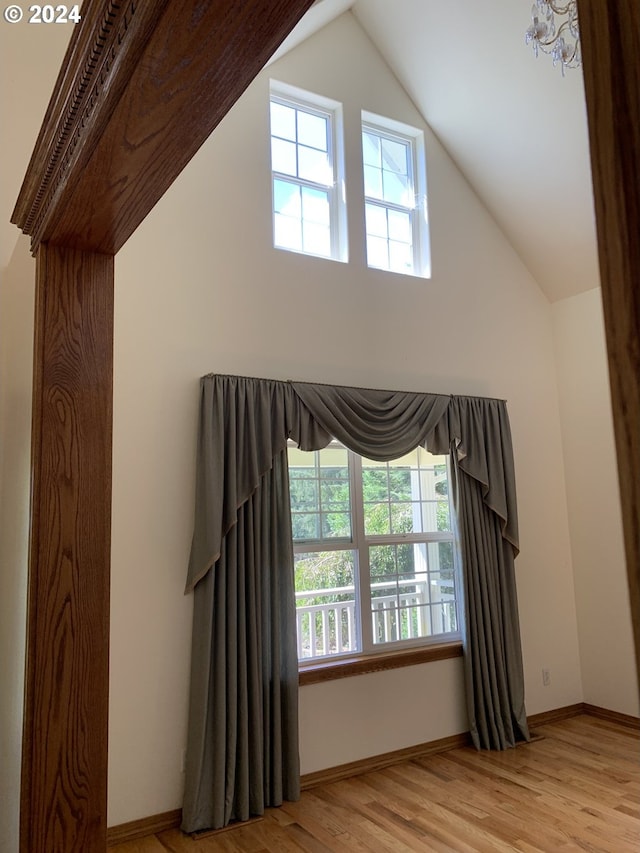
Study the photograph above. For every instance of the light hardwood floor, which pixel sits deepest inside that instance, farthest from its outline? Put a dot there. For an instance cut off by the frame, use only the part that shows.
(577, 788)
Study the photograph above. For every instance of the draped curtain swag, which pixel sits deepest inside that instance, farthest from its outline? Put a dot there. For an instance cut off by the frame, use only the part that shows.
(242, 748)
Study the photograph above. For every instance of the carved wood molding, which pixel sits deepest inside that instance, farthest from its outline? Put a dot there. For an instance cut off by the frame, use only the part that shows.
(142, 86)
(89, 84)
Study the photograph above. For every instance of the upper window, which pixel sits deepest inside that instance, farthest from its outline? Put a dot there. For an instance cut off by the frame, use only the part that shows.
(373, 551)
(395, 196)
(306, 162)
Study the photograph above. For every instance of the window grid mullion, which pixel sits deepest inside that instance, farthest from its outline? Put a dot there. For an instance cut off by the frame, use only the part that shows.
(360, 544)
(363, 588)
(302, 182)
(388, 205)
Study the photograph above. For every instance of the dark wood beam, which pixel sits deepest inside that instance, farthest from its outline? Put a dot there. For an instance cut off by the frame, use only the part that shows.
(142, 87)
(64, 757)
(610, 35)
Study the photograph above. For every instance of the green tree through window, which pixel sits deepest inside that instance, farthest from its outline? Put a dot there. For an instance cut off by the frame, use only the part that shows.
(394, 551)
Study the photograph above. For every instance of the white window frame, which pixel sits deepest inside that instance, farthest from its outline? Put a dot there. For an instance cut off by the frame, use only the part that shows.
(418, 211)
(360, 543)
(300, 99)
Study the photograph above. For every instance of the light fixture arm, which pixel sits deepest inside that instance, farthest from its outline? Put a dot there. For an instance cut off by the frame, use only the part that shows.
(561, 40)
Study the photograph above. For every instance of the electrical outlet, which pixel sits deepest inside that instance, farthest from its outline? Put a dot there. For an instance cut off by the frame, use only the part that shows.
(546, 677)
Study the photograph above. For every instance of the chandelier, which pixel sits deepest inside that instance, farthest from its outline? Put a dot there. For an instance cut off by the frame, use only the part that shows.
(561, 38)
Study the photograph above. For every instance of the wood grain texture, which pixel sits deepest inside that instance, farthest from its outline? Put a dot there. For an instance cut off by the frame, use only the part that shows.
(612, 716)
(169, 73)
(89, 85)
(555, 715)
(610, 36)
(64, 767)
(141, 87)
(138, 829)
(363, 664)
(386, 759)
(135, 829)
(577, 788)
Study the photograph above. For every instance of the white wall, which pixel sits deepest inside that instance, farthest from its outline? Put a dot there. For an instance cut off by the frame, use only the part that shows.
(200, 289)
(602, 594)
(16, 360)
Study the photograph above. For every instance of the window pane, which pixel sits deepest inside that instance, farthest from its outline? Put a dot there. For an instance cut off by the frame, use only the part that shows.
(304, 494)
(335, 494)
(394, 156)
(401, 487)
(395, 189)
(377, 252)
(407, 495)
(326, 612)
(301, 462)
(316, 239)
(319, 481)
(377, 520)
(315, 206)
(375, 480)
(305, 526)
(382, 562)
(443, 516)
(334, 459)
(286, 198)
(312, 130)
(376, 220)
(336, 525)
(371, 155)
(283, 121)
(372, 182)
(283, 157)
(430, 516)
(402, 518)
(313, 165)
(400, 226)
(441, 570)
(406, 602)
(287, 232)
(400, 257)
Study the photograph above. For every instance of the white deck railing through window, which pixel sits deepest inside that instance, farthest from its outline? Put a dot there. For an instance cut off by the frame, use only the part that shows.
(330, 628)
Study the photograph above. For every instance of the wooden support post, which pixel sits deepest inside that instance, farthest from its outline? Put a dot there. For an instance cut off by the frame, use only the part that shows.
(610, 36)
(64, 768)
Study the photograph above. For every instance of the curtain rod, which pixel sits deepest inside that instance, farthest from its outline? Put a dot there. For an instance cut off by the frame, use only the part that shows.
(354, 387)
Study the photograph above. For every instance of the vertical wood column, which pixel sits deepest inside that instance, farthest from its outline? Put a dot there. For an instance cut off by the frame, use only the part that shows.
(64, 763)
(610, 36)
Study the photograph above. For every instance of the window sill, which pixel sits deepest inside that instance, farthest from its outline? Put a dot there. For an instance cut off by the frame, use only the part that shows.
(346, 667)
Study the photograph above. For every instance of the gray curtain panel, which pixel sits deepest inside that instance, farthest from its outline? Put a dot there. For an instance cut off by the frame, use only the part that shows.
(242, 752)
(487, 538)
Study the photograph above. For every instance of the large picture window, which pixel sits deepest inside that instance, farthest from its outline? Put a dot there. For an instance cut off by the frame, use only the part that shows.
(373, 551)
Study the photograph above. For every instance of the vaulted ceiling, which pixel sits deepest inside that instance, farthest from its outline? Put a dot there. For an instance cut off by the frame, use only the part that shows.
(514, 125)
